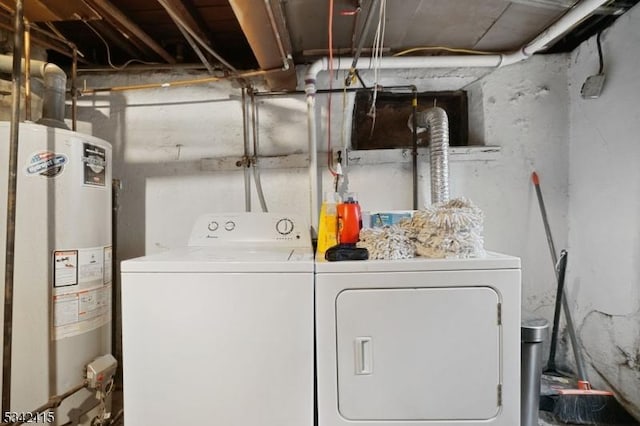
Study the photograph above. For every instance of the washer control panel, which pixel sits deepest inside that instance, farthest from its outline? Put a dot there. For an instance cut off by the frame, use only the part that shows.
(225, 228)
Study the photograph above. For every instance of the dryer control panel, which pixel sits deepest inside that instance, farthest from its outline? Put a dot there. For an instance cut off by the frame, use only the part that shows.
(261, 228)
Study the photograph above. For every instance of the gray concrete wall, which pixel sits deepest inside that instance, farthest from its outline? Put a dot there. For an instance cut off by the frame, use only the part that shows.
(604, 229)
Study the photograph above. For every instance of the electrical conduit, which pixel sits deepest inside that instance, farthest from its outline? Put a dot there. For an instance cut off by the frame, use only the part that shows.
(574, 16)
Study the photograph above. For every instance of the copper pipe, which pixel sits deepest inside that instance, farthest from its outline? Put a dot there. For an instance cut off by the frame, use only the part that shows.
(144, 67)
(53, 402)
(74, 90)
(180, 82)
(18, 39)
(27, 71)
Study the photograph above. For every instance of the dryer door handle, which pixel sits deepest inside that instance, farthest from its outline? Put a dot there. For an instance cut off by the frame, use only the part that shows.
(364, 355)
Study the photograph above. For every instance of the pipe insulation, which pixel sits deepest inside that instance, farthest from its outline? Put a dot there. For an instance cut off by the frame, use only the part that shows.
(573, 17)
(436, 121)
(55, 87)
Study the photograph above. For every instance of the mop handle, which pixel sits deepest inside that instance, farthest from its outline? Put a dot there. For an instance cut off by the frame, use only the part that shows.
(582, 372)
(561, 267)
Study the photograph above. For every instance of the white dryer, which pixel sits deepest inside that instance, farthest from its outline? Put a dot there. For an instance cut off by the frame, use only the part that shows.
(418, 342)
(221, 332)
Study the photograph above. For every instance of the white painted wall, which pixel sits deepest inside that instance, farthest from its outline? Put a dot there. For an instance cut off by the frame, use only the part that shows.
(604, 209)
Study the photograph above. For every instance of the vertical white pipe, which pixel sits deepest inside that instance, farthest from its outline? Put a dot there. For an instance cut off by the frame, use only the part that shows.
(310, 89)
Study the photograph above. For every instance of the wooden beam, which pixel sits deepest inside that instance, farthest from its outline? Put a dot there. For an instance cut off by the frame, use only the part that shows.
(269, 41)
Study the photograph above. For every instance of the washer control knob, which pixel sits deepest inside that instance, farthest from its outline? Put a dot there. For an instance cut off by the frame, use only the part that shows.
(230, 225)
(284, 226)
(213, 226)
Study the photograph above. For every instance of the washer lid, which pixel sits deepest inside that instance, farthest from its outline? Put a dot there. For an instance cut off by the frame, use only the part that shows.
(490, 261)
(224, 259)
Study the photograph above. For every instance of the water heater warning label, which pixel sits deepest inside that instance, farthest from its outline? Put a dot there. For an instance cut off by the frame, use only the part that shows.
(94, 159)
(81, 290)
(65, 268)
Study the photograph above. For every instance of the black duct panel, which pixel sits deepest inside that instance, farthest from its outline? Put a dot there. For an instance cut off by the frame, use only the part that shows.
(392, 128)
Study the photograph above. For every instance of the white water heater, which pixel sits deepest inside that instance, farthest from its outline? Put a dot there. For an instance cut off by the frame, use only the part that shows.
(63, 264)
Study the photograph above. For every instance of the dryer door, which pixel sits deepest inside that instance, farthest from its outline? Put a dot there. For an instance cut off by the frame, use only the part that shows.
(418, 353)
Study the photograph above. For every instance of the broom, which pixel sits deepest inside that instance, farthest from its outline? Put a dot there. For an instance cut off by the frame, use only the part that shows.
(582, 405)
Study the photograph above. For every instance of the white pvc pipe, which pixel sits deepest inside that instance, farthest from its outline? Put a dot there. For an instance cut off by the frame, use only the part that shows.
(574, 16)
(310, 89)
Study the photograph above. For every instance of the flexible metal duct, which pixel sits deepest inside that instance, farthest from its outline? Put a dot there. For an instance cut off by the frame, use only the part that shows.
(55, 86)
(436, 121)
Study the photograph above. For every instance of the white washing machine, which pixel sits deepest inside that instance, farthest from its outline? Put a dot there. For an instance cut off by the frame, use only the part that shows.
(221, 332)
(418, 342)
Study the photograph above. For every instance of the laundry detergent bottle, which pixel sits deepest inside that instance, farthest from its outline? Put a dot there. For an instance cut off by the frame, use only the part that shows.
(349, 220)
(328, 226)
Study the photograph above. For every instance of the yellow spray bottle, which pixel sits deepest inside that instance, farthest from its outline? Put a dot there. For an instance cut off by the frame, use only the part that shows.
(328, 226)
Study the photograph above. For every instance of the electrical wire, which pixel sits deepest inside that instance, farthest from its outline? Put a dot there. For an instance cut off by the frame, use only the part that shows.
(330, 31)
(600, 56)
(106, 45)
(378, 44)
(447, 49)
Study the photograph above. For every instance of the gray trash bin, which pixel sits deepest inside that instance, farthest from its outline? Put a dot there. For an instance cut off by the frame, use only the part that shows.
(533, 333)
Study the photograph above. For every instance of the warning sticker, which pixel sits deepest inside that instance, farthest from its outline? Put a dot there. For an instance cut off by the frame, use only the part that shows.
(79, 312)
(65, 268)
(108, 264)
(81, 290)
(91, 266)
(94, 159)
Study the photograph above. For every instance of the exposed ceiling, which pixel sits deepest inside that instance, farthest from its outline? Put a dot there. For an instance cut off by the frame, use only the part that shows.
(253, 34)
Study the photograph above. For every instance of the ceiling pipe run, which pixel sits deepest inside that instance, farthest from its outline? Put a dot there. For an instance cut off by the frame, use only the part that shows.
(574, 16)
